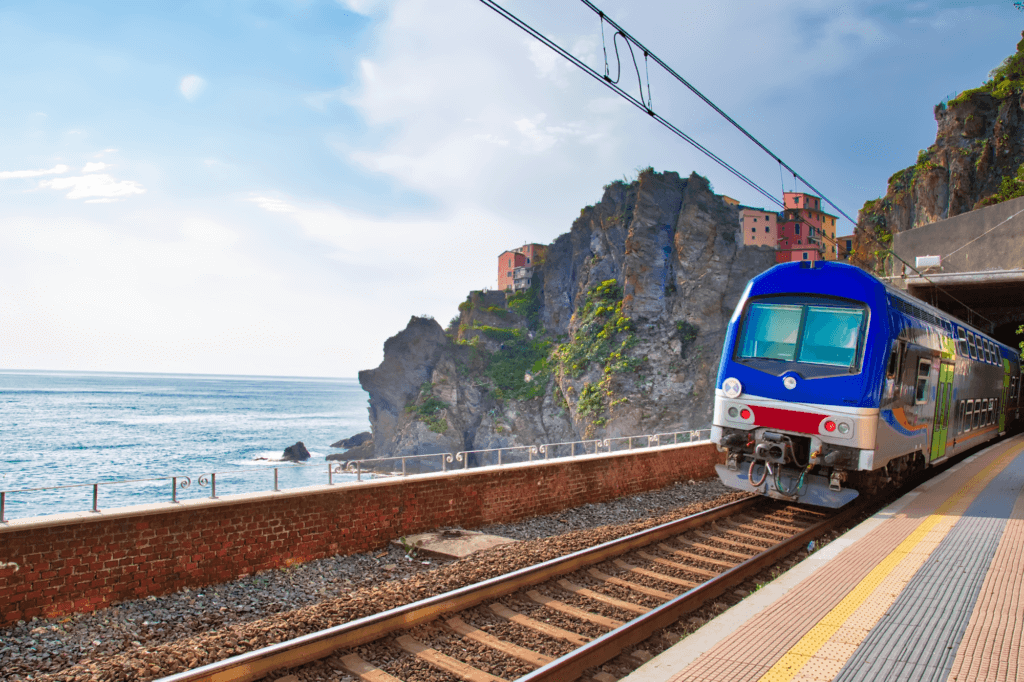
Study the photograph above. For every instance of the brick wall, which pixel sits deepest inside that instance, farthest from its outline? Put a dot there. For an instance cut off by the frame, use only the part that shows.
(51, 566)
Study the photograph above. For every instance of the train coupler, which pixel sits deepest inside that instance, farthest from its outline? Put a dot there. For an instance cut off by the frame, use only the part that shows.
(733, 461)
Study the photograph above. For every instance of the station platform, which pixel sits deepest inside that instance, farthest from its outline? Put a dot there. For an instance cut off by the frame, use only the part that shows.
(928, 589)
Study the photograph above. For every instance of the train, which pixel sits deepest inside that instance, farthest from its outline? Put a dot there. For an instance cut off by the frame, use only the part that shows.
(834, 384)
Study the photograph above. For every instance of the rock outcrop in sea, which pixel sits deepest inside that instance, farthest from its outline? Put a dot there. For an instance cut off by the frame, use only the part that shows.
(296, 453)
(977, 160)
(620, 333)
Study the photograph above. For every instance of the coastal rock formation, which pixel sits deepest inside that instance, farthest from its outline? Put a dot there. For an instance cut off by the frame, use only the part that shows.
(977, 160)
(620, 333)
(296, 453)
(353, 441)
(359, 446)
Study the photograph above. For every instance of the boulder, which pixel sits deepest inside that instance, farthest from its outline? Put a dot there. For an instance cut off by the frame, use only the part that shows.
(353, 441)
(296, 453)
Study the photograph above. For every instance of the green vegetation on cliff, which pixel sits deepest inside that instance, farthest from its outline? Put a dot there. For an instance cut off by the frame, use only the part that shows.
(602, 335)
(1005, 80)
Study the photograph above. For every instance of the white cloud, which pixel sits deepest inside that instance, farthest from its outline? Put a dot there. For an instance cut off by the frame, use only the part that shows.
(97, 188)
(56, 170)
(192, 86)
(94, 166)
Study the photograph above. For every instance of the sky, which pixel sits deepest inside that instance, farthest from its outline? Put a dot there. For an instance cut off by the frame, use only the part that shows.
(274, 187)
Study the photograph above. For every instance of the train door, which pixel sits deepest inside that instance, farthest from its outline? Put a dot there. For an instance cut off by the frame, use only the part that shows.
(943, 400)
(1004, 405)
(920, 380)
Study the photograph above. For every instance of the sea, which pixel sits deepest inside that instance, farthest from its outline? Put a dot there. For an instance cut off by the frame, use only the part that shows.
(62, 432)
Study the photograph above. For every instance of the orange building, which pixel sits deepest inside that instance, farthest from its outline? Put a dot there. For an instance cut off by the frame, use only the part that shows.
(805, 231)
(759, 227)
(515, 267)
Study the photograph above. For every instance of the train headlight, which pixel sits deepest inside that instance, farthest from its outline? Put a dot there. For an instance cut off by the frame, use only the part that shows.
(732, 388)
(843, 427)
(733, 412)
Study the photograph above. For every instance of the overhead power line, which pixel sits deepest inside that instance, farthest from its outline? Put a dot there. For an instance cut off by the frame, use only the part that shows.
(644, 104)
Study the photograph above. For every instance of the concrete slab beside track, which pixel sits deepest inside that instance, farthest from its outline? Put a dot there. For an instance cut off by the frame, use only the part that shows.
(927, 589)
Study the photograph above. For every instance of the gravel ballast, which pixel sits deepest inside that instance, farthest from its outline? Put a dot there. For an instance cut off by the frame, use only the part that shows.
(153, 637)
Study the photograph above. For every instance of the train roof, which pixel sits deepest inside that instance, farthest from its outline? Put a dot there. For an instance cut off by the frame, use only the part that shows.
(840, 279)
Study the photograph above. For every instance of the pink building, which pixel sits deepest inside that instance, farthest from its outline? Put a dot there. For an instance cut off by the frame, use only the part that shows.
(805, 231)
(759, 227)
(515, 267)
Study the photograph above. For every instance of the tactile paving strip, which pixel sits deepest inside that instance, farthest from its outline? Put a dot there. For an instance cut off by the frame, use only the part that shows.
(918, 637)
(991, 645)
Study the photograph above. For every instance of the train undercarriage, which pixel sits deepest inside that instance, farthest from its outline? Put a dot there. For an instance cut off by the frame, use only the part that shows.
(802, 469)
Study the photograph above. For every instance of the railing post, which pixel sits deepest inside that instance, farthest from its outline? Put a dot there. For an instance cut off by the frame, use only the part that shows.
(174, 489)
(499, 456)
(213, 486)
(444, 462)
(95, 497)
(330, 474)
(359, 470)
(275, 480)
(3, 501)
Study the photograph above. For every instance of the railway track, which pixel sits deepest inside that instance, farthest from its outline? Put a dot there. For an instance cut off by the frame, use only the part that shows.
(558, 620)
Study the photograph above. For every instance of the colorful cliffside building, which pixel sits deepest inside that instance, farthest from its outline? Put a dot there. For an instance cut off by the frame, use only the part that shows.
(759, 227)
(515, 267)
(805, 231)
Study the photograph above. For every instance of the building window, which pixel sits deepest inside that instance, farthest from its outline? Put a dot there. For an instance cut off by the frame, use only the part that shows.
(753, 229)
(805, 255)
(767, 229)
(527, 261)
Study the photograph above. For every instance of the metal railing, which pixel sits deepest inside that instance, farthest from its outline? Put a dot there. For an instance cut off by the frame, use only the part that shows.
(409, 465)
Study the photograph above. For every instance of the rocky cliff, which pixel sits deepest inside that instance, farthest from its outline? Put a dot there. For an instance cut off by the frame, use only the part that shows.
(620, 333)
(976, 161)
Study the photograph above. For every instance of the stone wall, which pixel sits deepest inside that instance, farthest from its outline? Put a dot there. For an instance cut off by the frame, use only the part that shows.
(52, 566)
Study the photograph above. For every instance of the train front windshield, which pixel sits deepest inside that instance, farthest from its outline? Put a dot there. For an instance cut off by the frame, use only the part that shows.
(796, 332)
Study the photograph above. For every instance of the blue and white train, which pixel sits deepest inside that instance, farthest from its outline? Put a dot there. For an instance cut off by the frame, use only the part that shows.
(833, 383)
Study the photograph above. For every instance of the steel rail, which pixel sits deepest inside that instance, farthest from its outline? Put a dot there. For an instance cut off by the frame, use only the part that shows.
(256, 664)
(606, 647)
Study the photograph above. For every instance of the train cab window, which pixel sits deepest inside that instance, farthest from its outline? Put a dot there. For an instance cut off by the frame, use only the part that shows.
(923, 369)
(961, 336)
(829, 335)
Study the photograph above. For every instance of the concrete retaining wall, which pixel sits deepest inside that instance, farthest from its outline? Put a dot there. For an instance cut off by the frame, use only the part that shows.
(56, 565)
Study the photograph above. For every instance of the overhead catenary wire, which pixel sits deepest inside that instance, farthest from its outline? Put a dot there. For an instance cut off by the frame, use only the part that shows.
(644, 106)
(711, 104)
(625, 95)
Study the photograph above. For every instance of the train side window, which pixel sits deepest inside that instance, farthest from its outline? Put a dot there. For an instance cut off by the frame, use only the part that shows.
(991, 410)
(961, 421)
(969, 415)
(988, 352)
(971, 347)
(961, 337)
(923, 368)
(983, 350)
(1013, 386)
(977, 414)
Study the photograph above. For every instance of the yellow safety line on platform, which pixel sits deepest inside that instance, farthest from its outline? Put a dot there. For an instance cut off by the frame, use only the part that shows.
(787, 667)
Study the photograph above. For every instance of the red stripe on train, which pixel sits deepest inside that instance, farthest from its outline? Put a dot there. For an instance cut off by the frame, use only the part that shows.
(787, 420)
